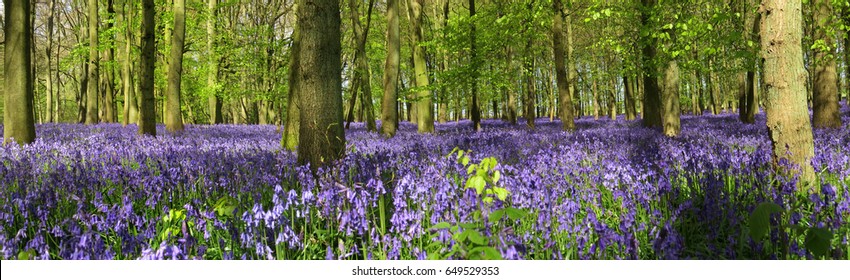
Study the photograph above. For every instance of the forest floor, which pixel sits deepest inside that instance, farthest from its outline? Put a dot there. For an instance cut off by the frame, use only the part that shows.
(609, 190)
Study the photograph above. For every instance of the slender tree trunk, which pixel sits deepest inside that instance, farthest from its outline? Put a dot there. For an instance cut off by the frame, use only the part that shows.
(846, 56)
(109, 110)
(147, 110)
(389, 102)
(321, 135)
(173, 114)
(628, 98)
(212, 60)
(48, 77)
(131, 109)
(612, 99)
(18, 114)
(511, 94)
(473, 79)
(825, 88)
(94, 64)
(594, 100)
(787, 116)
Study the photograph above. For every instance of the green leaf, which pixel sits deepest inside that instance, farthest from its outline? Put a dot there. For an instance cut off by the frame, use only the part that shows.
(496, 176)
(459, 154)
(461, 236)
(515, 214)
(467, 225)
(476, 237)
(477, 183)
(491, 253)
(497, 215)
(26, 255)
(441, 225)
(760, 219)
(464, 161)
(501, 193)
(818, 241)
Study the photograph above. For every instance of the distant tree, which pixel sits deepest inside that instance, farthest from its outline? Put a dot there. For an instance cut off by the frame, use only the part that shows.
(173, 115)
(147, 113)
(110, 114)
(321, 134)
(825, 92)
(18, 115)
(389, 105)
(362, 75)
(788, 125)
(131, 104)
(670, 99)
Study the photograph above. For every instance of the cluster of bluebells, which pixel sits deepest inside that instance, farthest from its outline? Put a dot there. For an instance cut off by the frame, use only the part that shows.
(609, 190)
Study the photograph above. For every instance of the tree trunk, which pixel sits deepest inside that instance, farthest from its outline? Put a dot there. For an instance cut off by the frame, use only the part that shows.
(321, 135)
(628, 98)
(147, 110)
(109, 110)
(424, 110)
(651, 92)
(511, 94)
(292, 123)
(173, 115)
(94, 62)
(389, 102)
(473, 79)
(48, 77)
(825, 89)
(212, 60)
(594, 98)
(18, 114)
(670, 112)
(612, 99)
(565, 100)
(787, 116)
(131, 109)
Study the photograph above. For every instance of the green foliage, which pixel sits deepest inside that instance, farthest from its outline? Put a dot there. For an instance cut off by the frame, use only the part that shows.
(817, 241)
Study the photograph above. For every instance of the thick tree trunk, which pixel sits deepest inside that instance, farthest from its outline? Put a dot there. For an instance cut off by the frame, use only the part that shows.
(825, 89)
(18, 114)
(670, 113)
(651, 92)
(565, 99)
(94, 63)
(173, 115)
(424, 110)
(389, 102)
(147, 110)
(321, 136)
(787, 116)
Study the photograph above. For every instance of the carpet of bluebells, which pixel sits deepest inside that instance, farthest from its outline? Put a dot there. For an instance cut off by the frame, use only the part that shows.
(609, 190)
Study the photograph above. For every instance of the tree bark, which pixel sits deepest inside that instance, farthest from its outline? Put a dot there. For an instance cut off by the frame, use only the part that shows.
(424, 110)
(94, 63)
(173, 115)
(147, 110)
(651, 91)
(670, 112)
(131, 109)
(825, 113)
(628, 98)
(18, 114)
(212, 60)
(389, 102)
(321, 135)
(473, 79)
(789, 129)
(109, 110)
(565, 100)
